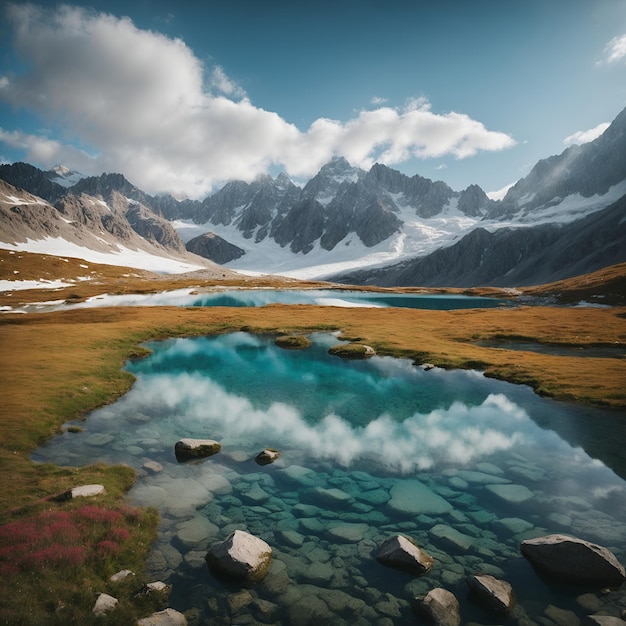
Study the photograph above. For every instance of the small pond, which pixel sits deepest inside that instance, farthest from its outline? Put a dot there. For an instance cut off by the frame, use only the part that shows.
(466, 466)
(262, 297)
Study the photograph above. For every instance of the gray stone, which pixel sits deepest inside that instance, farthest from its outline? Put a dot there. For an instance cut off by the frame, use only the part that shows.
(104, 604)
(188, 449)
(196, 531)
(153, 466)
(241, 556)
(291, 537)
(255, 495)
(85, 491)
(121, 575)
(452, 537)
(602, 620)
(403, 553)
(375, 496)
(167, 617)
(411, 497)
(561, 617)
(440, 607)
(348, 533)
(300, 475)
(574, 560)
(482, 478)
(514, 494)
(515, 524)
(494, 594)
(99, 439)
(318, 573)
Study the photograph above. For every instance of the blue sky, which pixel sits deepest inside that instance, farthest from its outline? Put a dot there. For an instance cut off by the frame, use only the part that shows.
(182, 96)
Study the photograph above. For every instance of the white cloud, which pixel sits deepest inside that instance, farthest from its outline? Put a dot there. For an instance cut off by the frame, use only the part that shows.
(615, 50)
(584, 136)
(377, 100)
(142, 105)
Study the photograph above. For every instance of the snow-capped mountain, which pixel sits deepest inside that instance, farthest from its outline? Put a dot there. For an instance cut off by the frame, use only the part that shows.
(116, 232)
(344, 218)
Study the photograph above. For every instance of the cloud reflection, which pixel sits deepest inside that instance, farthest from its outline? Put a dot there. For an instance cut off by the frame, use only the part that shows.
(459, 434)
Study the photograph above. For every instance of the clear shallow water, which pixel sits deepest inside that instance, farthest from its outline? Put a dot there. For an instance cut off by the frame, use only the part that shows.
(466, 466)
(262, 297)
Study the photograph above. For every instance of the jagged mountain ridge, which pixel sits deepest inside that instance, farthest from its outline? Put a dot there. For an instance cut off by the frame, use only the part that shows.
(90, 226)
(347, 217)
(512, 256)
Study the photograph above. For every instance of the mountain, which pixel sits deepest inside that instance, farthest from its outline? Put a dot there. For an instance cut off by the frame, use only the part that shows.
(512, 256)
(118, 231)
(392, 226)
(587, 170)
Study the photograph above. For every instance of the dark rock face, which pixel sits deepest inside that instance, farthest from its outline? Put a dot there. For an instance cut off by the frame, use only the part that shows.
(512, 256)
(589, 169)
(153, 227)
(33, 180)
(211, 246)
(574, 560)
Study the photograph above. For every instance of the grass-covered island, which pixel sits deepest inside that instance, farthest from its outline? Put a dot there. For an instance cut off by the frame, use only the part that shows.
(57, 554)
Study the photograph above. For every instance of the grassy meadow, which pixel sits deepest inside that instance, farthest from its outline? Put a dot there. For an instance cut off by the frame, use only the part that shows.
(58, 366)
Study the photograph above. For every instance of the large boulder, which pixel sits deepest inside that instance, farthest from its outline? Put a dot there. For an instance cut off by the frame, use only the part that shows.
(241, 556)
(574, 560)
(439, 606)
(188, 449)
(403, 553)
(494, 594)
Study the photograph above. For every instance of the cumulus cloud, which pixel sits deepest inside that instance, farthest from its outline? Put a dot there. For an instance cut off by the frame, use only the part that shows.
(584, 136)
(615, 50)
(143, 104)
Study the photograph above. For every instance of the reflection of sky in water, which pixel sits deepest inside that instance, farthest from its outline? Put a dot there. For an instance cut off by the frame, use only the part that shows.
(262, 297)
(456, 431)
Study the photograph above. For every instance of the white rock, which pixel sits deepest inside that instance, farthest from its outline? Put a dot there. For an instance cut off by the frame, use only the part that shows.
(86, 491)
(242, 556)
(121, 575)
(104, 604)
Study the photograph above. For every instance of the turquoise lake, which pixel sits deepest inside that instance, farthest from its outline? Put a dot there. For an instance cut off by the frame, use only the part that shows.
(466, 466)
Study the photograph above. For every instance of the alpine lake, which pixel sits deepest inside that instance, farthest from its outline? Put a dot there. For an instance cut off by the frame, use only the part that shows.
(466, 466)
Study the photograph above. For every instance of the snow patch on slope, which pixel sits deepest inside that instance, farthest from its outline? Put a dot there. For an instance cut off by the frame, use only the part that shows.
(138, 259)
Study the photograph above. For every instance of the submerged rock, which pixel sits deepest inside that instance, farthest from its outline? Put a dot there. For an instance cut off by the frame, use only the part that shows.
(187, 449)
(403, 553)
(439, 606)
(241, 556)
(494, 594)
(574, 560)
(411, 497)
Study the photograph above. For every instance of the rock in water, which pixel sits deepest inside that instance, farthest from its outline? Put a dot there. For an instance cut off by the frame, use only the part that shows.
(241, 556)
(495, 595)
(574, 560)
(187, 449)
(439, 606)
(267, 456)
(403, 553)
